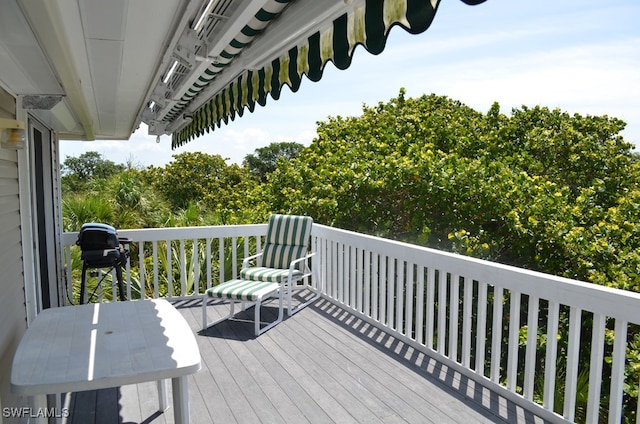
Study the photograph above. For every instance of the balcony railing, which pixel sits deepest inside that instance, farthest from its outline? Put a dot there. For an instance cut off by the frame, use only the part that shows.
(545, 342)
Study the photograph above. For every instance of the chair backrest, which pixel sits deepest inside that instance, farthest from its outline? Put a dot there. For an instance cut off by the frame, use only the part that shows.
(288, 238)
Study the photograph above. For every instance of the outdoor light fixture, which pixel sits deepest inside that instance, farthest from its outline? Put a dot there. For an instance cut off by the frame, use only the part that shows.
(12, 134)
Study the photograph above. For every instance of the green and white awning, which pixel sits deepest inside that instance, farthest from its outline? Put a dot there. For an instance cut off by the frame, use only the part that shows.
(267, 13)
(367, 24)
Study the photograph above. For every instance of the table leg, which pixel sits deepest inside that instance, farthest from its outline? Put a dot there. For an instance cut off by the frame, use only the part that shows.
(58, 412)
(180, 387)
(162, 395)
(38, 404)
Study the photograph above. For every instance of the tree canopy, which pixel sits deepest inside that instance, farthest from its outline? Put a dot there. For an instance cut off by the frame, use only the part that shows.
(265, 159)
(90, 165)
(87, 168)
(541, 188)
(194, 177)
(538, 188)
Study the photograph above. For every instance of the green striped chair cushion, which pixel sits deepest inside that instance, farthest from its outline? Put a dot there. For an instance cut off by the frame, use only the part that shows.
(287, 240)
(244, 290)
(268, 274)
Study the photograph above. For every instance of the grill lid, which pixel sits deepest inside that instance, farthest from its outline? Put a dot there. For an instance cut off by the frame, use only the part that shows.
(96, 236)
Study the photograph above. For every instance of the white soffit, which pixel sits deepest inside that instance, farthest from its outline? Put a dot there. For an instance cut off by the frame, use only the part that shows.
(24, 68)
(103, 24)
(149, 30)
(55, 23)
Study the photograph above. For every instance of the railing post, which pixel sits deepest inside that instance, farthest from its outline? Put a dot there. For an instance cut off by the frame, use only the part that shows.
(575, 321)
(532, 343)
(617, 372)
(595, 369)
(551, 356)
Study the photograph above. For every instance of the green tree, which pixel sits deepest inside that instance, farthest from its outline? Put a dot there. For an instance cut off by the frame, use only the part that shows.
(265, 159)
(571, 150)
(203, 179)
(78, 173)
(541, 188)
(90, 165)
(124, 200)
(364, 173)
(135, 202)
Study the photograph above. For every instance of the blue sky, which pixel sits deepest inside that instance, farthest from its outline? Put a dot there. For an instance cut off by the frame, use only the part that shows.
(582, 56)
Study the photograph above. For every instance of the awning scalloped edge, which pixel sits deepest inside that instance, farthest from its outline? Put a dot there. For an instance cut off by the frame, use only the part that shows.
(366, 25)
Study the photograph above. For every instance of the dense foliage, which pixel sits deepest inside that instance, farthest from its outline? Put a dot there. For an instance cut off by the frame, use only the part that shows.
(88, 168)
(199, 178)
(540, 189)
(265, 160)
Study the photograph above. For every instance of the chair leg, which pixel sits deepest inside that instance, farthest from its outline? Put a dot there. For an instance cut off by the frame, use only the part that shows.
(257, 328)
(256, 316)
(289, 297)
(205, 301)
(317, 289)
(205, 324)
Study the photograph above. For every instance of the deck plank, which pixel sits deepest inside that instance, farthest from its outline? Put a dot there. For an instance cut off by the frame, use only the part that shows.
(104, 400)
(129, 404)
(323, 365)
(380, 380)
(227, 355)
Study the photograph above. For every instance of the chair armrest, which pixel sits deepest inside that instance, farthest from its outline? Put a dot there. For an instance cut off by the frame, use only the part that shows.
(292, 265)
(245, 262)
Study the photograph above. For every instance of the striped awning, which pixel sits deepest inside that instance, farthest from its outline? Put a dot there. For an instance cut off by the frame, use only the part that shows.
(267, 13)
(367, 24)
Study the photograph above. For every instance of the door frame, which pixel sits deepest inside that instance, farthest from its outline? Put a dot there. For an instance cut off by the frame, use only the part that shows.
(44, 175)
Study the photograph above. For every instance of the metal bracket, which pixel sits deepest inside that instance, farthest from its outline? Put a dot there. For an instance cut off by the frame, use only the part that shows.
(157, 128)
(185, 51)
(160, 94)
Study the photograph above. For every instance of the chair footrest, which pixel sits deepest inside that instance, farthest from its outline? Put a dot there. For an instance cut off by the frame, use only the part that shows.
(244, 290)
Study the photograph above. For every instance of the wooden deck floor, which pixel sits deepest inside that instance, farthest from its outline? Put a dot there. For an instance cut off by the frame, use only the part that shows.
(323, 365)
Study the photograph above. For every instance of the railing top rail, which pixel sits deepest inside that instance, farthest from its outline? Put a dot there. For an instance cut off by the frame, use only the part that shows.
(621, 304)
(175, 233)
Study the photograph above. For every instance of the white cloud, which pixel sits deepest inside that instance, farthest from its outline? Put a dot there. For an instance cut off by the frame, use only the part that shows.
(594, 78)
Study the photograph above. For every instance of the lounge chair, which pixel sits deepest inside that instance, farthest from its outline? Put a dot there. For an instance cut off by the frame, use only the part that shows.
(281, 268)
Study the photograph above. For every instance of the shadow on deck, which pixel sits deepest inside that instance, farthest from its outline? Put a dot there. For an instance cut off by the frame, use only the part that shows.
(323, 365)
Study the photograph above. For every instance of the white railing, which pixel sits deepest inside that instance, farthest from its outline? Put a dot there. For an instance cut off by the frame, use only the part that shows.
(478, 316)
(198, 257)
(524, 334)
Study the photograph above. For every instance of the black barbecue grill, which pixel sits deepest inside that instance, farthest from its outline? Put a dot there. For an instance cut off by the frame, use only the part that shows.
(102, 248)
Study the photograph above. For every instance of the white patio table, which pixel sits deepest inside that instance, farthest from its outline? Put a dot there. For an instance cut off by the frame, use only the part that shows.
(95, 346)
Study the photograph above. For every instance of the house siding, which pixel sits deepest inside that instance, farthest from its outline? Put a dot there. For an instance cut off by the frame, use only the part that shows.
(12, 302)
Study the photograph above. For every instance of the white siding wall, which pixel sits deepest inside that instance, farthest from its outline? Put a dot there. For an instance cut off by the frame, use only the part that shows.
(12, 304)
